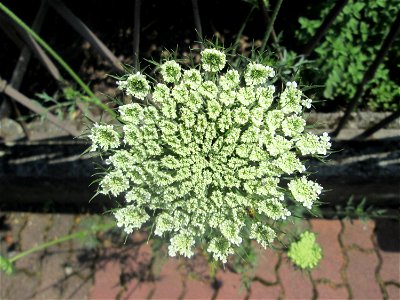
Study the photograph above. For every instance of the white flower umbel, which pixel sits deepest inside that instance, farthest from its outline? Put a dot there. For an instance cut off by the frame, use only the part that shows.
(304, 191)
(264, 235)
(257, 74)
(208, 149)
(114, 183)
(171, 71)
(230, 80)
(213, 60)
(135, 85)
(290, 100)
(130, 217)
(104, 137)
(192, 78)
(310, 143)
(293, 126)
(131, 113)
(220, 248)
(182, 244)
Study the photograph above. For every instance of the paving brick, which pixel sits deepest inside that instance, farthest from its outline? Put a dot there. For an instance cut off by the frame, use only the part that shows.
(61, 224)
(53, 279)
(197, 268)
(138, 290)
(361, 275)
(267, 261)
(358, 233)
(107, 277)
(135, 262)
(169, 283)
(196, 289)
(230, 286)
(15, 223)
(296, 284)
(261, 291)
(135, 268)
(23, 287)
(327, 236)
(393, 292)
(11, 285)
(52, 275)
(28, 268)
(5, 283)
(327, 292)
(78, 288)
(390, 268)
(33, 234)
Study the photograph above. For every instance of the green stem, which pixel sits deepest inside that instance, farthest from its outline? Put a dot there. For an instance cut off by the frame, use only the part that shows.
(271, 25)
(239, 34)
(92, 97)
(61, 240)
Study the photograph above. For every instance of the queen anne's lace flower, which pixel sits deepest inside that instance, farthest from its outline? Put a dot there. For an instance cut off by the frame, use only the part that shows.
(304, 191)
(104, 137)
(257, 74)
(293, 126)
(213, 60)
(192, 78)
(131, 113)
(181, 243)
(264, 235)
(171, 71)
(220, 248)
(230, 80)
(130, 217)
(135, 85)
(205, 152)
(312, 144)
(114, 183)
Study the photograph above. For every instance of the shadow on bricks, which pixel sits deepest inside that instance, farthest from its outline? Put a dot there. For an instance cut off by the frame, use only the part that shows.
(388, 235)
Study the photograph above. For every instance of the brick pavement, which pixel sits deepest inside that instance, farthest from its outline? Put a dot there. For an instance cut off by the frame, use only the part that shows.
(55, 273)
(355, 266)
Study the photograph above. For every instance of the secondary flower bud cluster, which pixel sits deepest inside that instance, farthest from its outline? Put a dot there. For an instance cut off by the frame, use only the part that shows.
(305, 253)
(204, 160)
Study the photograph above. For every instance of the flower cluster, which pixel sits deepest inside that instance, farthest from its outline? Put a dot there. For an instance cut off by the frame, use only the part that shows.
(305, 253)
(204, 160)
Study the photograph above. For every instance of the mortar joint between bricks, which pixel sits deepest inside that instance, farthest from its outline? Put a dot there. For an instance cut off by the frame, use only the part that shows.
(278, 278)
(391, 282)
(19, 234)
(343, 269)
(330, 283)
(69, 256)
(355, 247)
(378, 268)
(45, 251)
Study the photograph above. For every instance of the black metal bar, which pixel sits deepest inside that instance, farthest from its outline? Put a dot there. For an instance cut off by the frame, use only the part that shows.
(38, 51)
(197, 20)
(326, 24)
(386, 121)
(86, 33)
(369, 74)
(37, 108)
(22, 64)
(25, 54)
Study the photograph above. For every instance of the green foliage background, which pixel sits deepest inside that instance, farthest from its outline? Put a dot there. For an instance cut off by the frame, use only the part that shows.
(350, 46)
